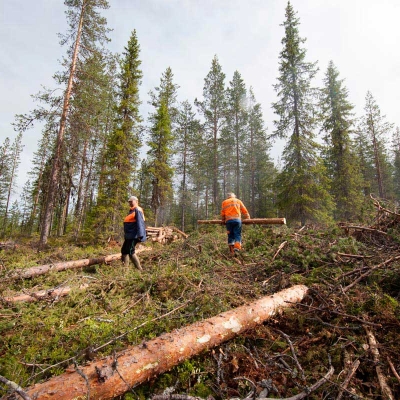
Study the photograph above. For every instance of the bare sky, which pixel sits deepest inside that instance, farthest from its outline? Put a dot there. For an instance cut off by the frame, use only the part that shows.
(361, 37)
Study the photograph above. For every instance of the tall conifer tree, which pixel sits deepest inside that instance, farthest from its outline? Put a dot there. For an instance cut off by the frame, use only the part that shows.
(88, 29)
(302, 185)
(258, 169)
(121, 155)
(213, 110)
(233, 135)
(187, 128)
(159, 159)
(377, 130)
(396, 163)
(341, 160)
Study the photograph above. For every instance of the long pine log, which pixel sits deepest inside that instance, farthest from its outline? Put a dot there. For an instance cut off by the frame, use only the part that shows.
(62, 266)
(251, 221)
(113, 376)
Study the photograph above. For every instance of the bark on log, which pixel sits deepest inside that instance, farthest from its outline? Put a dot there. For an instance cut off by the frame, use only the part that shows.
(43, 294)
(141, 363)
(258, 221)
(44, 269)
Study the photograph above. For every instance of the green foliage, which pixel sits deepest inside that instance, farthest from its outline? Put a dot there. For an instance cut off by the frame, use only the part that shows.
(303, 184)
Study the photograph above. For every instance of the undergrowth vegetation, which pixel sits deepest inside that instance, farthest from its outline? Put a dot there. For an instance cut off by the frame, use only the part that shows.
(353, 283)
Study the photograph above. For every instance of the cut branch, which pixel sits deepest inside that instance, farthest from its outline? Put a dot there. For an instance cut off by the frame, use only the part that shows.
(16, 388)
(309, 390)
(346, 382)
(141, 363)
(384, 264)
(386, 391)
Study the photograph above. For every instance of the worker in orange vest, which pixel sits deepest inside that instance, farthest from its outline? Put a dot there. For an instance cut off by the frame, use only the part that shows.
(232, 212)
(134, 231)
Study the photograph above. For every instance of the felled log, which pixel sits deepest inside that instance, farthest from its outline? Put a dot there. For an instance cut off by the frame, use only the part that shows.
(43, 294)
(254, 221)
(44, 269)
(113, 376)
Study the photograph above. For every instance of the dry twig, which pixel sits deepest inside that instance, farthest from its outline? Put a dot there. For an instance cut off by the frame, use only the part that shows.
(386, 391)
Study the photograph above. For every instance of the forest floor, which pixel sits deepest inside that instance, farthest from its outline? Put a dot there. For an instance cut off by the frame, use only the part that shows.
(354, 292)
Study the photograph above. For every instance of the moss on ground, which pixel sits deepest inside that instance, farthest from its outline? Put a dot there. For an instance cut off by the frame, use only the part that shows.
(288, 352)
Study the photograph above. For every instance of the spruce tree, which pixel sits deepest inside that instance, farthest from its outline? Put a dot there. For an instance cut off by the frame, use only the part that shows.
(303, 184)
(121, 155)
(213, 110)
(340, 159)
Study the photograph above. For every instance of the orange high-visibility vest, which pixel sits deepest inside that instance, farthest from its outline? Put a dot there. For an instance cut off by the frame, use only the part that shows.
(233, 208)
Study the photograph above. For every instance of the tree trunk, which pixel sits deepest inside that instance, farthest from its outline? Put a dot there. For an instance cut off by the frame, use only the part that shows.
(113, 376)
(251, 221)
(45, 231)
(43, 294)
(62, 266)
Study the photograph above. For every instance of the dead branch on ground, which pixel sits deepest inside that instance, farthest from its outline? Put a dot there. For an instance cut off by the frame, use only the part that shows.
(386, 391)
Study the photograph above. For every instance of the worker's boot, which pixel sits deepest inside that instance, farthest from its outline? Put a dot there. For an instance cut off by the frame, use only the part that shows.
(135, 260)
(231, 250)
(237, 247)
(125, 259)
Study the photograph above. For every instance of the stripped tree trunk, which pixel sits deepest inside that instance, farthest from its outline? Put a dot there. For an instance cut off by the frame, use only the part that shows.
(259, 221)
(113, 376)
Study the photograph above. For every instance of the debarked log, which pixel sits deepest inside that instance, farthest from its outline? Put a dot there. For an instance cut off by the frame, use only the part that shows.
(138, 364)
(62, 266)
(254, 221)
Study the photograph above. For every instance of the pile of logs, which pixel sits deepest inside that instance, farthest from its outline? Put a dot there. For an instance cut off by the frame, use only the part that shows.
(164, 234)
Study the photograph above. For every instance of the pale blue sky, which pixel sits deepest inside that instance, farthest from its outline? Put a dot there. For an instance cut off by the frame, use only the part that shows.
(360, 36)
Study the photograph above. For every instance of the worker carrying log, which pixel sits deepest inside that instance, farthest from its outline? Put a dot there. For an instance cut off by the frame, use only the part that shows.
(232, 212)
(134, 231)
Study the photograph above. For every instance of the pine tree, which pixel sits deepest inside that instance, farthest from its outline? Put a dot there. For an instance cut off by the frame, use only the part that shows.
(159, 159)
(340, 159)
(377, 130)
(259, 172)
(15, 159)
(5, 174)
(187, 127)
(213, 110)
(234, 134)
(396, 163)
(87, 28)
(302, 185)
